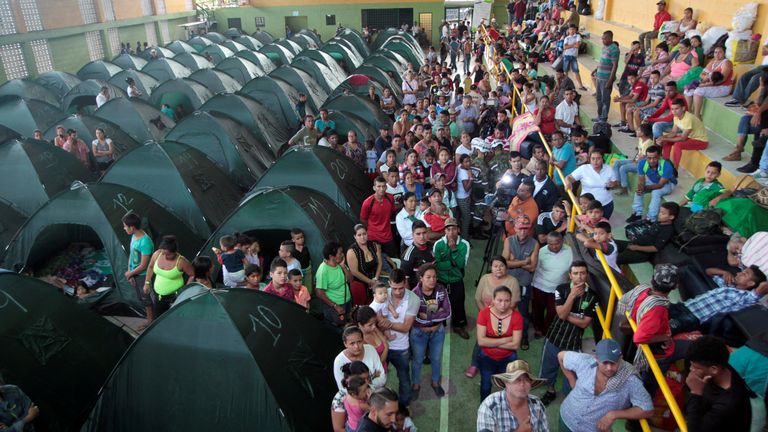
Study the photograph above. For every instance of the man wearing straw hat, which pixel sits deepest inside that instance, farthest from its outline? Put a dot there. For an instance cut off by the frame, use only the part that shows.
(513, 408)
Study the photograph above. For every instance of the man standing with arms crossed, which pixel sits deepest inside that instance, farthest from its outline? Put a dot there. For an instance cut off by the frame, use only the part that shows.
(451, 254)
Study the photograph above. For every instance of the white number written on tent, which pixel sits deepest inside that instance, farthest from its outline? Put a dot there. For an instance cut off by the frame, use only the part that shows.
(122, 201)
(6, 299)
(339, 168)
(318, 211)
(268, 321)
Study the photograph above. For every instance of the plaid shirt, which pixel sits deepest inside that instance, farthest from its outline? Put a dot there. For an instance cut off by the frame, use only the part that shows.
(494, 415)
(720, 300)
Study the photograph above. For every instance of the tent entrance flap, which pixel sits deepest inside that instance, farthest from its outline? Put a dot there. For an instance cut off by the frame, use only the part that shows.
(53, 241)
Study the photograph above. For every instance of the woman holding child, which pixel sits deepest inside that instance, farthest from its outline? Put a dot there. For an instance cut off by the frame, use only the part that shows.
(364, 261)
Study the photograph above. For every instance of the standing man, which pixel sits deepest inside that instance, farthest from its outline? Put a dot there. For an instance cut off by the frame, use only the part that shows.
(417, 254)
(513, 408)
(521, 251)
(307, 135)
(567, 113)
(451, 254)
(376, 213)
(332, 285)
(605, 389)
(141, 250)
(661, 16)
(383, 141)
(102, 97)
(324, 122)
(551, 272)
(519, 7)
(467, 116)
(571, 45)
(606, 75)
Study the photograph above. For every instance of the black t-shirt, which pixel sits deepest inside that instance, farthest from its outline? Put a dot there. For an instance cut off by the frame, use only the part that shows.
(719, 409)
(367, 425)
(545, 225)
(413, 258)
(659, 238)
(304, 258)
(563, 334)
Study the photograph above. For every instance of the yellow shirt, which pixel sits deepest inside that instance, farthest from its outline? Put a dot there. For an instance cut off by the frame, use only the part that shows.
(692, 123)
(642, 146)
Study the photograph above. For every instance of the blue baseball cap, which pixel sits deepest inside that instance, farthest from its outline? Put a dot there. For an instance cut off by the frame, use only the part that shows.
(608, 350)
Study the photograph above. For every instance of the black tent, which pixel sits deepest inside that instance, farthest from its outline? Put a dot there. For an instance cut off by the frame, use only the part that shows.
(239, 68)
(181, 178)
(184, 92)
(86, 125)
(231, 360)
(304, 83)
(128, 61)
(144, 82)
(58, 82)
(55, 350)
(259, 59)
(216, 81)
(142, 121)
(98, 69)
(324, 170)
(281, 96)
(93, 213)
(28, 89)
(228, 143)
(82, 97)
(164, 69)
(193, 61)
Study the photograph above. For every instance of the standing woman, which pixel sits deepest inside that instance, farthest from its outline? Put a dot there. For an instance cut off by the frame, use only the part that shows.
(428, 332)
(410, 88)
(355, 349)
(596, 179)
(168, 267)
(410, 185)
(103, 150)
(366, 320)
(373, 96)
(447, 167)
(412, 165)
(364, 261)
(499, 333)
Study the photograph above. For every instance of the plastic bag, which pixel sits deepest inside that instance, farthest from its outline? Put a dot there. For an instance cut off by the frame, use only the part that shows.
(668, 27)
(744, 51)
(600, 12)
(734, 36)
(744, 17)
(711, 36)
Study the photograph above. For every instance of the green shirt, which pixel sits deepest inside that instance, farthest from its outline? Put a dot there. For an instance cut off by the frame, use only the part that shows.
(450, 263)
(702, 193)
(333, 282)
(608, 58)
(140, 246)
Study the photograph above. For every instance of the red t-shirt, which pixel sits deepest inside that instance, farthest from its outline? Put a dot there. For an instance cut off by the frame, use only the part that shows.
(519, 9)
(484, 319)
(435, 221)
(286, 293)
(654, 322)
(547, 125)
(378, 214)
(641, 90)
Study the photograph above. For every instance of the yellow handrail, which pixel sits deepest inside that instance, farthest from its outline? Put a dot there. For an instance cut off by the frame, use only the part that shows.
(615, 293)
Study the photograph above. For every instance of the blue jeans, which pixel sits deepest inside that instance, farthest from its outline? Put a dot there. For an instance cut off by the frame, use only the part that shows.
(488, 367)
(656, 195)
(549, 363)
(603, 99)
(747, 84)
(420, 342)
(467, 61)
(622, 168)
(745, 126)
(401, 360)
(660, 127)
(475, 354)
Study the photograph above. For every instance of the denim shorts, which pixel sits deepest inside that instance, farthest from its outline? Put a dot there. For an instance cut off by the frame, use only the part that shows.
(570, 62)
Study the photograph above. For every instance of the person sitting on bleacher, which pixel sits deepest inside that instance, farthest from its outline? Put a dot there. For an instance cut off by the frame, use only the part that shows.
(707, 191)
(662, 118)
(688, 133)
(654, 239)
(655, 176)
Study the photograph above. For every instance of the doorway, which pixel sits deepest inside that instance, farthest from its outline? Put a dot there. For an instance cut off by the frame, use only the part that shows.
(294, 24)
(425, 22)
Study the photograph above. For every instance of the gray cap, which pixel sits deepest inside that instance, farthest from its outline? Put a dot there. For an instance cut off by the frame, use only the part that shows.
(608, 350)
(665, 277)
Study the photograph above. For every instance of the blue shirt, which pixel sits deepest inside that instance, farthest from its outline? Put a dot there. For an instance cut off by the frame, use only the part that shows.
(567, 154)
(467, 113)
(663, 170)
(13, 408)
(320, 125)
(720, 301)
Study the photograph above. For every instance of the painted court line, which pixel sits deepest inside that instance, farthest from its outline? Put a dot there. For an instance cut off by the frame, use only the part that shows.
(446, 367)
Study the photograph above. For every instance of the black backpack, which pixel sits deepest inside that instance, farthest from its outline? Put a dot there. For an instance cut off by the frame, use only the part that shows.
(602, 129)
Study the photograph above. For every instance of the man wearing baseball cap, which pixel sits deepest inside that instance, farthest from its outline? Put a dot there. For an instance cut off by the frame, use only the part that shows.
(501, 410)
(451, 255)
(646, 38)
(605, 389)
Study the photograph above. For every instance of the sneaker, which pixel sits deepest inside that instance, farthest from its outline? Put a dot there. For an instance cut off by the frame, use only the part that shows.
(733, 102)
(748, 168)
(439, 392)
(620, 125)
(548, 397)
(634, 218)
(760, 174)
(471, 372)
(462, 332)
(625, 129)
(633, 134)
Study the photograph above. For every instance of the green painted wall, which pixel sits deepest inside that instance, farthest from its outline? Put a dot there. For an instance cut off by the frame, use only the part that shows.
(348, 16)
(69, 53)
(134, 33)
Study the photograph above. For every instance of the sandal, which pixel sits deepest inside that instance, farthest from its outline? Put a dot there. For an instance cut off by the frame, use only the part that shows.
(733, 156)
(524, 345)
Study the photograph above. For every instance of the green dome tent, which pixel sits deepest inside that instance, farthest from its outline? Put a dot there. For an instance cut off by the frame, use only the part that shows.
(268, 127)
(86, 125)
(346, 121)
(327, 60)
(34, 171)
(216, 81)
(356, 39)
(269, 214)
(128, 61)
(349, 55)
(58, 82)
(82, 97)
(290, 45)
(232, 32)
(52, 346)
(142, 121)
(159, 51)
(282, 96)
(382, 80)
(415, 56)
(234, 46)
(259, 59)
(240, 69)
(184, 92)
(98, 69)
(144, 82)
(311, 35)
(384, 35)
(250, 42)
(324, 170)
(214, 37)
(11, 219)
(181, 178)
(238, 360)
(93, 213)
(180, 47)
(262, 36)
(193, 61)
(390, 65)
(321, 73)
(164, 69)
(304, 83)
(24, 116)
(279, 54)
(226, 142)
(303, 41)
(217, 52)
(360, 106)
(28, 89)
(358, 85)
(199, 43)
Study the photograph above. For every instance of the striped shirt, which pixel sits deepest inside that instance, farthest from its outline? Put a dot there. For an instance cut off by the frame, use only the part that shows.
(563, 334)
(494, 414)
(753, 252)
(720, 301)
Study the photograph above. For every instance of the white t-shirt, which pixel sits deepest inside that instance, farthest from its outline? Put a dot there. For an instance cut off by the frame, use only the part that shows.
(566, 113)
(594, 182)
(378, 307)
(370, 358)
(131, 92)
(462, 193)
(570, 40)
(461, 150)
(409, 306)
(405, 226)
(101, 100)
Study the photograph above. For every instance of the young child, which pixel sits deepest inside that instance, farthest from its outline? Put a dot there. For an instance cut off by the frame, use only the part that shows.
(279, 286)
(300, 292)
(232, 260)
(380, 305)
(707, 191)
(582, 153)
(253, 277)
(403, 422)
(301, 253)
(370, 157)
(593, 215)
(286, 254)
(584, 200)
(252, 253)
(602, 241)
(423, 207)
(356, 400)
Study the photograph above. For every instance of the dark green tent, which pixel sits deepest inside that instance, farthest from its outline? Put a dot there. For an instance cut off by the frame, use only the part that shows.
(350, 56)
(357, 85)
(251, 42)
(389, 62)
(281, 96)
(311, 35)
(53, 347)
(144, 82)
(262, 36)
(34, 171)
(269, 214)
(183, 179)
(217, 52)
(159, 51)
(303, 41)
(179, 47)
(128, 61)
(142, 121)
(8, 134)
(240, 69)
(415, 56)
(382, 79)
(193, 61)
(164, 69)
(324, 170)
(199, 43)
(321, 73)
(258, 59)
(346, 121)
(383, 36)
(279, 54)
(326, 59)
(290, 45)
(93, 214)
(82, 97)
(356, 39)
(86, 125)
(11, 219)
(214, 37)
(233, 360)
(24, 116)
(228, 143)
(304, 83)
(268, 127)
(234, 46)
(360, 106)
(188, 93)
(58, 82)
(216, 81)
(28, 89)
(232, 32)
(98, 69)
